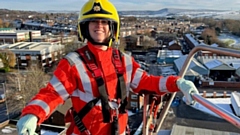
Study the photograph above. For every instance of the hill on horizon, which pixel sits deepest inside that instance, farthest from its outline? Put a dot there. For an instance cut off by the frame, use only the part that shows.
(132, 12)
(166, 11)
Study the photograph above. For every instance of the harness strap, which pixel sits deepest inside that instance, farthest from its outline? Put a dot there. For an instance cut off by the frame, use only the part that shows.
(89, 60)
(79, 116)
(104, 100)
(121, 85)
(122, 93)
(117, 61)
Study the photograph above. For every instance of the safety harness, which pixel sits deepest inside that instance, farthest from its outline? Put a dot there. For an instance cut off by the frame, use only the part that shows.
(118, 105)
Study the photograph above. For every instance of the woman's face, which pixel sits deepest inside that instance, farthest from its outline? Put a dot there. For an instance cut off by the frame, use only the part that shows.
(99, 30)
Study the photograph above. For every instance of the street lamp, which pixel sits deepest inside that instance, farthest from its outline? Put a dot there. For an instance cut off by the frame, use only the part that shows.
(18, 81)
(18, 63)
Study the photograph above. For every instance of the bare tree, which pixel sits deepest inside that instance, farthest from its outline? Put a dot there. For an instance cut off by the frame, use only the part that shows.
(122, 44)
(148, 43)
(21, 87)
(208, 35)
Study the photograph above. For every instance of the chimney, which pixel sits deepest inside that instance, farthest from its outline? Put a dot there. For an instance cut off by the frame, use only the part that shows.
(30, 36)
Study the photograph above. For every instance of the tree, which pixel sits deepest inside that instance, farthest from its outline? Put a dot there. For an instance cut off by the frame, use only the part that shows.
(210, 22)
(47, 17)
(122, 44)
(1, 23)
(209, 35)
(73, 46)
(8, 58)
(148, 43)
(6, 24)
(22, 87)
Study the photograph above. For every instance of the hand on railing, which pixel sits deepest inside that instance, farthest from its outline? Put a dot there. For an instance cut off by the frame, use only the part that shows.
(27, 125)
(187, 88)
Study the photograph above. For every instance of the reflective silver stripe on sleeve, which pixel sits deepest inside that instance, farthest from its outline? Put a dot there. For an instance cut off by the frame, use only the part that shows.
(82, 95)
(42, 104)
(137, 77)
(59, 88)
(86, 97)
(81, 71)
(129, 68)
(162, 84)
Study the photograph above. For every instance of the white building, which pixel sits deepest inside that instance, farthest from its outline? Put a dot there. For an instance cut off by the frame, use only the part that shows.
(28, 53)
(12, 36)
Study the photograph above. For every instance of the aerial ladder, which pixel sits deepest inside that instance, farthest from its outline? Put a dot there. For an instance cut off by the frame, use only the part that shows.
(156, 109)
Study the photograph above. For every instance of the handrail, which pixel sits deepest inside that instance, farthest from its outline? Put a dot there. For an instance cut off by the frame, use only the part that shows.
(218, 110)
(217, 50)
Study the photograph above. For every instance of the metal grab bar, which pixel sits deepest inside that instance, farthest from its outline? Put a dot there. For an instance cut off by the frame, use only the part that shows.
(218, 50)
(225, 115)
(218, 110)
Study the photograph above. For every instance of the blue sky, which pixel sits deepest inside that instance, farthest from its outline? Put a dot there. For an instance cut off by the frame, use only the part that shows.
(43, 5)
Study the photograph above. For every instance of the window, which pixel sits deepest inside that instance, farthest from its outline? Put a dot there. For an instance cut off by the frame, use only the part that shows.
(134, 97)
(133, 104)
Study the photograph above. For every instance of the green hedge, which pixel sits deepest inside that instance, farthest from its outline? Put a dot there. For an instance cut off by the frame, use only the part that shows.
(4, 70)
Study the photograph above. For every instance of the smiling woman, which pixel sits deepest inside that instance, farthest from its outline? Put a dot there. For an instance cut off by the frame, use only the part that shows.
(99, 30)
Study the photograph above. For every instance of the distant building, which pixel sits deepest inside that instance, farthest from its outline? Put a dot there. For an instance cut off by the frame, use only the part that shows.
(32, 53)
(214, 71)
(174, 45)
(134, 101)
(12, 36)
(192, 41)
(168, 56)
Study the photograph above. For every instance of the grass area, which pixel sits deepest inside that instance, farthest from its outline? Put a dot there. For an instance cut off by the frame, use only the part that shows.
(229, 42)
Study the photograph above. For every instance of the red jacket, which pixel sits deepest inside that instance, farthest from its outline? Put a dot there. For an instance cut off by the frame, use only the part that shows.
(76, 82)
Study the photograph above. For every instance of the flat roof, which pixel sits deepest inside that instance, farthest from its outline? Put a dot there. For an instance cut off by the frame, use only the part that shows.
(17, 31)
(186, 130)
(42, 47)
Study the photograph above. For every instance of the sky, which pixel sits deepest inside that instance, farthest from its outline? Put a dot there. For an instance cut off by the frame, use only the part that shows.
(121, 5)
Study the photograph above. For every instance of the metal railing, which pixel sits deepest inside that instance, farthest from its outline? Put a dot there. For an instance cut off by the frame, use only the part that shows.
(218, 110)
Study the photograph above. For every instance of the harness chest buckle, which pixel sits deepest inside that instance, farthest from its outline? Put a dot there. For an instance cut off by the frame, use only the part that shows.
(114, 106)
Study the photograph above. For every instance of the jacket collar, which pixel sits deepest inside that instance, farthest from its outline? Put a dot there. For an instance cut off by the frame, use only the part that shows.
(99, 53)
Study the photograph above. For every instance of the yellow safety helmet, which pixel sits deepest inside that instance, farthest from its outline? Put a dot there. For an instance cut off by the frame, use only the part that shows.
(102, 9)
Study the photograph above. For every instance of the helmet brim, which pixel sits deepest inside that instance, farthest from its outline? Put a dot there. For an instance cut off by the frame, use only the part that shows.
(97, 18)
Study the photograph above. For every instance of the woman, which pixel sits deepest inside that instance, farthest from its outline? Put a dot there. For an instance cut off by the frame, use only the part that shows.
(97, 78)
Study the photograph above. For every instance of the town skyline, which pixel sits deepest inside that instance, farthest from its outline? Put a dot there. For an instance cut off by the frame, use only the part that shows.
(121, 5)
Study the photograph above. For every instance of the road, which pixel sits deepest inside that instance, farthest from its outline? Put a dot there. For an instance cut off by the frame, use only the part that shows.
(3, 112)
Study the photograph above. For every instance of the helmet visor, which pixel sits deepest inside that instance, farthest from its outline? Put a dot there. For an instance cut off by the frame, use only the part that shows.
(106, 20)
